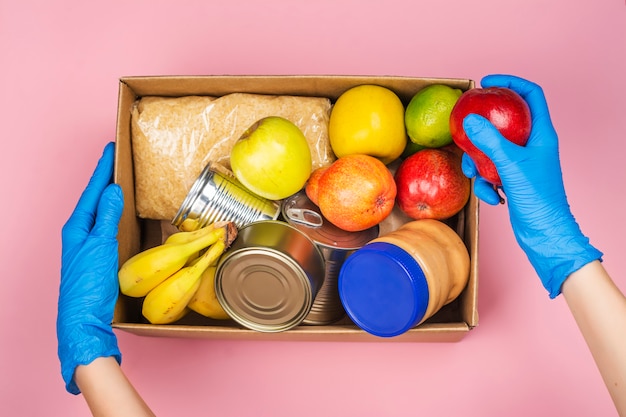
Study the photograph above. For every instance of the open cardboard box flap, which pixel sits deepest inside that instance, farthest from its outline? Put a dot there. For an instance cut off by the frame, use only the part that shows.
(450, 324)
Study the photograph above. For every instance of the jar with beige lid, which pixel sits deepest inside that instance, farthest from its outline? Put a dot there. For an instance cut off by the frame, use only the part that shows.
(399, 280)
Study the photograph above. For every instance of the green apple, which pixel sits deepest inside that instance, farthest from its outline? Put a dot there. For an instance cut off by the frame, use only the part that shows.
(272, 158)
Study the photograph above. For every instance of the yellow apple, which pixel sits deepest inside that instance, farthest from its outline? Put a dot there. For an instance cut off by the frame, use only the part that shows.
(368, 119)
(272, 158)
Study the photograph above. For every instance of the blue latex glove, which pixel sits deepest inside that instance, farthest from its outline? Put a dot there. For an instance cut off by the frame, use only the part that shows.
(89, 264)
(533, 185)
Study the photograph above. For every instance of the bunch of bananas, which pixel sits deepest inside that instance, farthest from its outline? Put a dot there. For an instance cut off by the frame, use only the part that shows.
(178, 275)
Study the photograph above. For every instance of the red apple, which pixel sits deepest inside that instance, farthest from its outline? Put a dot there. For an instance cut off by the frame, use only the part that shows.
(356, 192)
(504, 108)
(431, 185)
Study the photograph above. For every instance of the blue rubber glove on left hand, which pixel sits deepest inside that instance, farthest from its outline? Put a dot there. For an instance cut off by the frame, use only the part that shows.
(89, 284)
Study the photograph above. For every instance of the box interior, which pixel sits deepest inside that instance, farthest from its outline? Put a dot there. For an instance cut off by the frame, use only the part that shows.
(450, 324)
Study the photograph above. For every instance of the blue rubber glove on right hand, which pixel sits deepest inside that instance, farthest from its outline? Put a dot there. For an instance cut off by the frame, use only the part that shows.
(533, 184)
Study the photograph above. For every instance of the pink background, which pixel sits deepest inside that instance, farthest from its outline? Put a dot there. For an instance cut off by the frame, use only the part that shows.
(61, 62)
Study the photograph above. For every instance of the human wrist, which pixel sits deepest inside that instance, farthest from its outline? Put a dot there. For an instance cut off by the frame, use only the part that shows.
(555, 255)
(81, 345)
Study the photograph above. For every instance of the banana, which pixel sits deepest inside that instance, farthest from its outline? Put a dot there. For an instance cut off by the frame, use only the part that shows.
(185, 236)
(147, 269)
(181, 315)
(168, 300)
(189, 235)
(189, 225)
(204, 300)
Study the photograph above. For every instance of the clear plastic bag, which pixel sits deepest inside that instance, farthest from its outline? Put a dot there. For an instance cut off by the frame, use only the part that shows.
(174, 138)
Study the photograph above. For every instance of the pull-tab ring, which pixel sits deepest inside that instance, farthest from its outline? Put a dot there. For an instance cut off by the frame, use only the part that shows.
(305, 216)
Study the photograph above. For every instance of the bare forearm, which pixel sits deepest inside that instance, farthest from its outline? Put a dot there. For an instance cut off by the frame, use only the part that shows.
(599, 309)
(107, 390)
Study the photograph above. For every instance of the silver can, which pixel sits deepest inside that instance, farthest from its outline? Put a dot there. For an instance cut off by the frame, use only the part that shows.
(217, 195)
(269, 277)
(335, 244)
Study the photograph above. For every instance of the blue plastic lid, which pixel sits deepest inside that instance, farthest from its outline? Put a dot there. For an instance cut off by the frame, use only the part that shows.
(383, 289)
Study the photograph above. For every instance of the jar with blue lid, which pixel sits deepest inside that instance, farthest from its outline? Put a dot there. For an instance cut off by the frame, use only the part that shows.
(399, 280)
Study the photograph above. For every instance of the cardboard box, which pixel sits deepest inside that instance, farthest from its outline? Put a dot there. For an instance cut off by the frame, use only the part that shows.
(450, 324)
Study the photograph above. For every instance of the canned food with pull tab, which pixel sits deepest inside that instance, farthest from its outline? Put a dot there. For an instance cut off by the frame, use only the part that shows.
(335, 244)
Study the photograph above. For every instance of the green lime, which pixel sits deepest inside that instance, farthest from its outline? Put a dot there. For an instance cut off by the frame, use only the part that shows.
(427, 117)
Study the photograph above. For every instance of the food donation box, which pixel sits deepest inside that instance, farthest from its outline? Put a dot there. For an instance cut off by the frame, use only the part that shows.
(170, 128)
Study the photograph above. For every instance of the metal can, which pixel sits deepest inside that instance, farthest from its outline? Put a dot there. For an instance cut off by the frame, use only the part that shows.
(269, 277)
(217, 195)
(335, 244)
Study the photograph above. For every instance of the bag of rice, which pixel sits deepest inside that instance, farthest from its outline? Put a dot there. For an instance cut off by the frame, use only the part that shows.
(173, 138)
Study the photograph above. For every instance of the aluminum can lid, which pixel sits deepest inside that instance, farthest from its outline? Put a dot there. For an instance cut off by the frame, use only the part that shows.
(300, 212)
(268, 279)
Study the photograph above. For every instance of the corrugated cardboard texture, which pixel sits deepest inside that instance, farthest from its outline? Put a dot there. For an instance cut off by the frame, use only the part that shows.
(450, 324)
